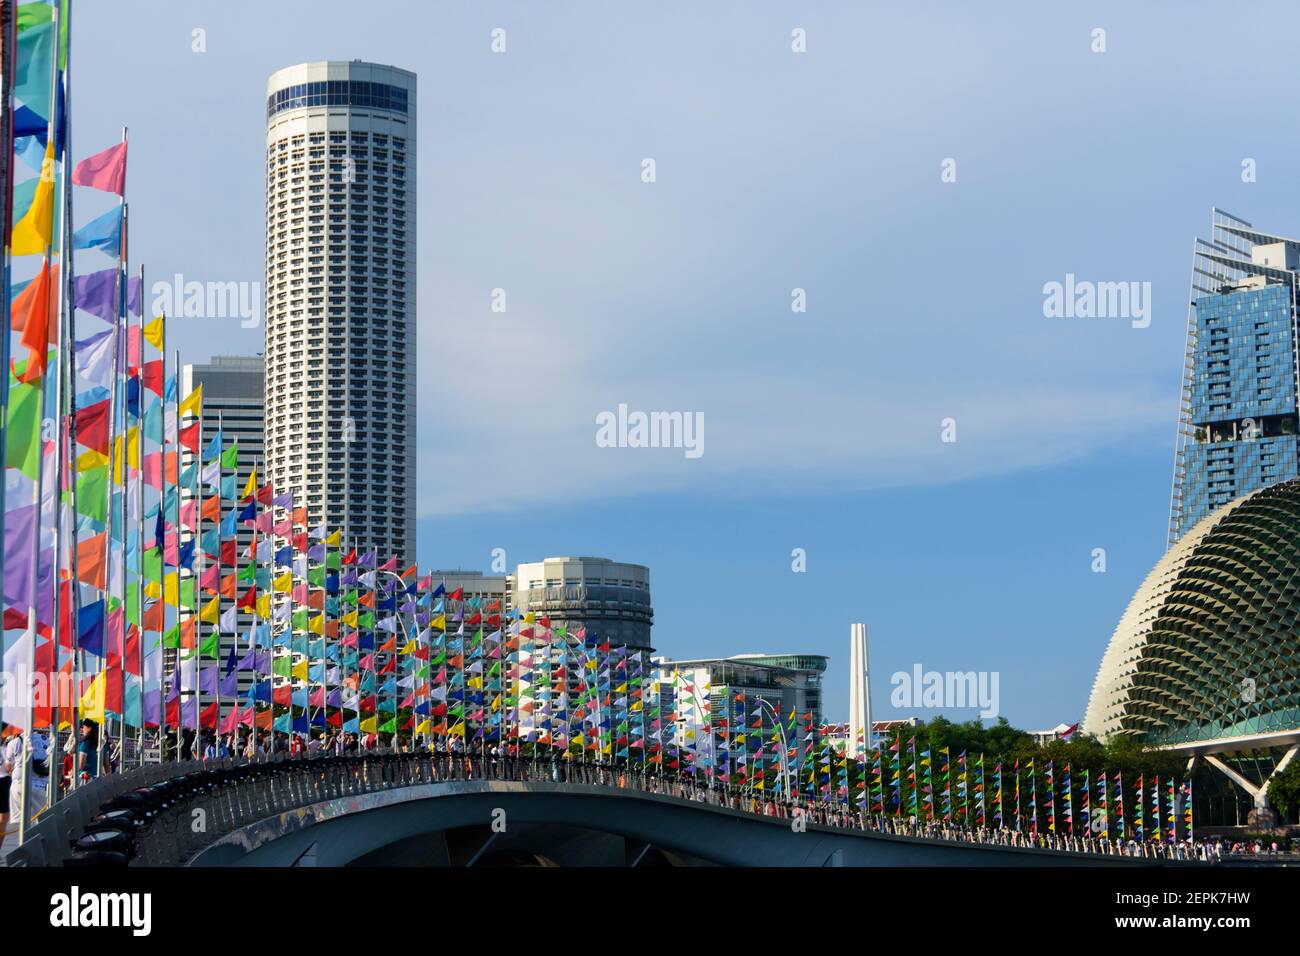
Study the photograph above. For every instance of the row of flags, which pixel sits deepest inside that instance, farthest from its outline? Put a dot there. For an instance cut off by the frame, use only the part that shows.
(928, 785)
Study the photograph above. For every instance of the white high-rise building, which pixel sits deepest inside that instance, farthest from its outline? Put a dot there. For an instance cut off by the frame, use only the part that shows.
(340, 298)
(859, 690)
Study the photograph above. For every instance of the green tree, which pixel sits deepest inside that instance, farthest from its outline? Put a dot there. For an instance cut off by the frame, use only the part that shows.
(1284, 791)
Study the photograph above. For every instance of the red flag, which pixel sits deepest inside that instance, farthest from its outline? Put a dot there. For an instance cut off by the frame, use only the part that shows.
(93, 423)
(152, 376)
(189, 437)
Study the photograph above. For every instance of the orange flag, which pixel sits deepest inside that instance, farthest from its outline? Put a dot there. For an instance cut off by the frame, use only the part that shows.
(153, 619)
(92, 564)
(30, 314)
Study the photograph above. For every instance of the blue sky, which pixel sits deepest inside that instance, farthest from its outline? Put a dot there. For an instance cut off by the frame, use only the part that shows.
(775, 170)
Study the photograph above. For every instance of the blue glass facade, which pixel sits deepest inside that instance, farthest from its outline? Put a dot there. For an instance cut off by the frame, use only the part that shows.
(379, 96)
(1243, 399)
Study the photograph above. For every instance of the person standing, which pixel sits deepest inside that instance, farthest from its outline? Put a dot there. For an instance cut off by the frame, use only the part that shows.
(88, 750)
(11, 756)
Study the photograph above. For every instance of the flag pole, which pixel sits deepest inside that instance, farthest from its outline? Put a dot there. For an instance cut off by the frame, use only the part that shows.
(8, 47)
(30, 635)
(139, 547)
(197, 538)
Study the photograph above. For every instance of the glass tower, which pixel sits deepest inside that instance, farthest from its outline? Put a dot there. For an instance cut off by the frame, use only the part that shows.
(1237, 428)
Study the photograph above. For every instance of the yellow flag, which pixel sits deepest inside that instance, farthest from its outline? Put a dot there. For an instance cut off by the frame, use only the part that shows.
(153, 333)
(31, 234)
(350, 619)
(211, 612)
(284, 583)
(152, 590)
(250, 489)
(264, 606)
(423, 727)
(300, 670)
(133, 446)
(334, 539)
(171, 590)
(440, 622)
(369, 726)
(117, 460)
(316, 625)
(91, 459)
(193, 402)
(92, 700)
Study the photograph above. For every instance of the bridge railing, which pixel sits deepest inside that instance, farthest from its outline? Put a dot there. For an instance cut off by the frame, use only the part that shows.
(163, 814)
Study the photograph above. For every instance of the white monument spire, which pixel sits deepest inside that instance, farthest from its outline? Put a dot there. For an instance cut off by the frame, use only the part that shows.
(859, 691)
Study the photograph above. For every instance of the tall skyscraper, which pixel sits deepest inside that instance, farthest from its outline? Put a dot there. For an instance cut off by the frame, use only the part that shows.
(859, 690)
(1237, 429)
(340, 297)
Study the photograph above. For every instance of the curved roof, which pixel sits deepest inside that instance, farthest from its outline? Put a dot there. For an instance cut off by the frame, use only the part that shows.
(1209, 647)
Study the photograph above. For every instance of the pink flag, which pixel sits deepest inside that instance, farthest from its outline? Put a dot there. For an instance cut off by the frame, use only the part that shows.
(106, 170)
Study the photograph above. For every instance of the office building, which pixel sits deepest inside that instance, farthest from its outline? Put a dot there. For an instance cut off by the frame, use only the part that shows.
(340, 298)
(750, 694)
(608, 598)
(1237, 426)
(232, 403)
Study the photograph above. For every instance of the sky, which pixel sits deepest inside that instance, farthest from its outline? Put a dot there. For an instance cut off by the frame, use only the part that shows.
(921, 171)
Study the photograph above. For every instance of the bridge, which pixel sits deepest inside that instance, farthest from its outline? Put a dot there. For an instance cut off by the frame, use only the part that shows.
(427, 809)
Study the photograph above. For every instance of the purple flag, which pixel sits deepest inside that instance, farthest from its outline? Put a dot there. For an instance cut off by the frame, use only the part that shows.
(153, 707)
(96, 293)
(20, 538)
(133, 294)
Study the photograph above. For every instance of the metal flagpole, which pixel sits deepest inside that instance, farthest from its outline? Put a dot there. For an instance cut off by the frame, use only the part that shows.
(139, 551)
(197, 537)
(8, 47)
(65, 404)
(179, 669)
(47, 169)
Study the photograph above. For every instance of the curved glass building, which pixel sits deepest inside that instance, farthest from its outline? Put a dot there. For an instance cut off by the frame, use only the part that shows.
(1207, 655)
